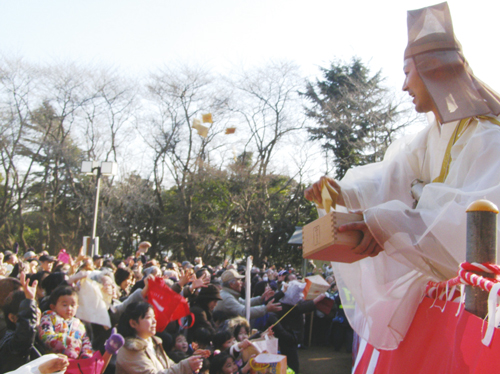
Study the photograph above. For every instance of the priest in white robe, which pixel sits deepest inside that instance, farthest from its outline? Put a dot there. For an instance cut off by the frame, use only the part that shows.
(414, 201)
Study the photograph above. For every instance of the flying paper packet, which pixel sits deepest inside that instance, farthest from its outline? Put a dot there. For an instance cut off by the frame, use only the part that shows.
(202, 130)
(207, 118)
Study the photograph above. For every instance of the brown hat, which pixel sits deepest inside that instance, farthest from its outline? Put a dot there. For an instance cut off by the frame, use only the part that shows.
(230, 275)
(430, 29)
(210, 292)
(438, 57)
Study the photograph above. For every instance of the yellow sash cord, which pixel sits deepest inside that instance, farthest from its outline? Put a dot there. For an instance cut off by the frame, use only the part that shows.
(459, 130)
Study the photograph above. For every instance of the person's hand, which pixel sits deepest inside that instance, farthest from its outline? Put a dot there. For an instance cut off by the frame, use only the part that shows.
(185, 277)
(313, 193)
(145, 290)
(29, 291)
(76, 277)
(246, 369)
(205, 353)
(244, 344)
(114, 342)
(273, 307)
(1, 257)
(195, 363)
(202, 281)
(269, 332)
(60, 363)
(268, 293)
(368, 245)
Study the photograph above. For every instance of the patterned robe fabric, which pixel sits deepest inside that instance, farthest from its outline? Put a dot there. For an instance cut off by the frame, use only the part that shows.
(64, 336)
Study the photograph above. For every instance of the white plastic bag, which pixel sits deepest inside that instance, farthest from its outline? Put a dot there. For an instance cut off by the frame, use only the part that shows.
(91, 305)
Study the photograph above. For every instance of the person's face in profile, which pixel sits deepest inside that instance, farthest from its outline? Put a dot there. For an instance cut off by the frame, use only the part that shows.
(415, 87)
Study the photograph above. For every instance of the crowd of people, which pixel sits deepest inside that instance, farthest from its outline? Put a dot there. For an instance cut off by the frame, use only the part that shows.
(41, 294)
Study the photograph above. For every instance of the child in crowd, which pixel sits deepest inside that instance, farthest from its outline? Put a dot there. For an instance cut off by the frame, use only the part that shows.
(242, 331)
(202, 339)
(223, 340)
(17, 346)
(223, 363)
(60, 330)
(180, 349)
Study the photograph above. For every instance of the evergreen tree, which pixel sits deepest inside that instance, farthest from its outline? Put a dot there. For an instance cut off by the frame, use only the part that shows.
(354, 114)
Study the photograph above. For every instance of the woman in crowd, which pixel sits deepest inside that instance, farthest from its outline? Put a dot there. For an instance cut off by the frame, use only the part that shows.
(202, 307)
(124, 278)
(143, 352)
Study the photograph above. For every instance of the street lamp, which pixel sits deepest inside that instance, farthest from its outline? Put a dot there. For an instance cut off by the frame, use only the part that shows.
(98, 169)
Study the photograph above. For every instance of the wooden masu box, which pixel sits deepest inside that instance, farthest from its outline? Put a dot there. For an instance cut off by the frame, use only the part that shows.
(322, 241)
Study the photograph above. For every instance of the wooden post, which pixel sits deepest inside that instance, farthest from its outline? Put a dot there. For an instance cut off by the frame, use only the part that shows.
(481, 248)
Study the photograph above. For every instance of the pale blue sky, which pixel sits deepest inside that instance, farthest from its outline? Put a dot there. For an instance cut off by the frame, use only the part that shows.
(137, 35)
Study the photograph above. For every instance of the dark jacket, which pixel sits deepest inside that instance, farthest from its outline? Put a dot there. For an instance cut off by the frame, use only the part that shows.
(17, 346)
(290, 330)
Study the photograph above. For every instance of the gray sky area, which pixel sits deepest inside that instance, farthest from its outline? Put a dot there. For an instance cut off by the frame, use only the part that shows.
(137, 36)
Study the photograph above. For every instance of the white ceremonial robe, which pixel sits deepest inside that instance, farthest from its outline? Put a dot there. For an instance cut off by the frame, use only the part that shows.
(381, 294)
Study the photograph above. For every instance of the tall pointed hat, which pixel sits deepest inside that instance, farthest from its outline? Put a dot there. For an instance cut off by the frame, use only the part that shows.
(439, 60)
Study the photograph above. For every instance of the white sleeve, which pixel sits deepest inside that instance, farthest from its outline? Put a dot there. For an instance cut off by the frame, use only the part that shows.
(32, 367)
(380, 294)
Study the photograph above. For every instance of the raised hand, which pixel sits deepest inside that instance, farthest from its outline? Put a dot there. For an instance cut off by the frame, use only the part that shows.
(269, 332)
(195, 363)
(185, 277)
(203, 281)
(205, 353)
(268, 293)
(273, 307)
(146, 285)
(29, 291)
(244, 344)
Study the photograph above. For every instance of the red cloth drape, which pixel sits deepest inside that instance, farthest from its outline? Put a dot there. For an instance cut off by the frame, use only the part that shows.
(437, 342)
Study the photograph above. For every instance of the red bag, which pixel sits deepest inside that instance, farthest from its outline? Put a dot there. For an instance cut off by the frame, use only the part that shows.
(437, 342)
(167, 304)
(93, 365)
(325, 306)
